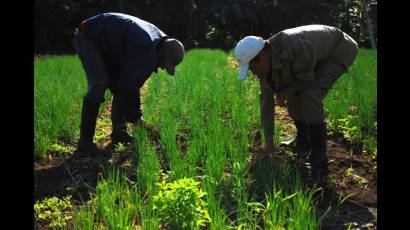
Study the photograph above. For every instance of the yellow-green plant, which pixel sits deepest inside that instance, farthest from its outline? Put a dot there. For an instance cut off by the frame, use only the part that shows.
(180, 204)
(53, 210)
(120, 148)
(61, 148)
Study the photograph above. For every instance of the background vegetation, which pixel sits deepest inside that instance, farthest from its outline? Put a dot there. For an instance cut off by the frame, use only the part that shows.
(204, 23)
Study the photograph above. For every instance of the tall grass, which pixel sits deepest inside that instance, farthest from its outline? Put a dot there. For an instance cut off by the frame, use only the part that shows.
(59, 85)
(206, 128)
(355, 94)
(357, 87)
(206, 122)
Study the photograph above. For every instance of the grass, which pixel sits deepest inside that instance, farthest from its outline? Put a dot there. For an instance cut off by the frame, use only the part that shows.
(59, 85)
(353, 101)
(206, 121)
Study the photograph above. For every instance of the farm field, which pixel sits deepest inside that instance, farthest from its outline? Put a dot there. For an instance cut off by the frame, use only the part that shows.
(201, 138)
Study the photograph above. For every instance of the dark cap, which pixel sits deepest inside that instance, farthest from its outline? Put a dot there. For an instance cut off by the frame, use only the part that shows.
(174, 53)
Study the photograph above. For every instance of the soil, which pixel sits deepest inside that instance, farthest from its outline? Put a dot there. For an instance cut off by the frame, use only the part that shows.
(77, 174)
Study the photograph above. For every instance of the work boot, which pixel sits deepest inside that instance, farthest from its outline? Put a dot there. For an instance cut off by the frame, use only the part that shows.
(317, 158)
(119, 126)
(87, 128)
(299, 145)
(121, 137)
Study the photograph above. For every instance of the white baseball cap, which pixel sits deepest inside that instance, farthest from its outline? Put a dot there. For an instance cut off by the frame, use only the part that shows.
(245, 51)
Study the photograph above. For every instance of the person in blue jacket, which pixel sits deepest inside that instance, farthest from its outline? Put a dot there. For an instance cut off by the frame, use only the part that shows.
(119, 52)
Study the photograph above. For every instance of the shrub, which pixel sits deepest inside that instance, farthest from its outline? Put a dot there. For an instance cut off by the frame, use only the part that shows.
(53, 210)
(180, 204)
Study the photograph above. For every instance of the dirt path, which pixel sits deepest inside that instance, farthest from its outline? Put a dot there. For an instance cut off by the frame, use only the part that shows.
(77, 175)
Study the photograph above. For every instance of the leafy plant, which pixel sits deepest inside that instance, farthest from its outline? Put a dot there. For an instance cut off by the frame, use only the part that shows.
(53, 210)
(350, 131)
(349, 172)
(356, 178)
(60, 148)
(180, 204)
(100, 135)
(120, 148)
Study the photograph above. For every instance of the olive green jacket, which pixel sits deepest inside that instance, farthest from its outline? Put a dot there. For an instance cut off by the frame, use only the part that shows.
(295, 54)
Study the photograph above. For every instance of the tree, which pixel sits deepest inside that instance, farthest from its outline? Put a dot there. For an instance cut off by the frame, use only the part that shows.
(206, 23)
(369, 23)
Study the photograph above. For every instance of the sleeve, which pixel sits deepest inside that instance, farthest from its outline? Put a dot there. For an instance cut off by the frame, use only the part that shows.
(304, 60)
(138, 63)
(135, 71)
(267, 108)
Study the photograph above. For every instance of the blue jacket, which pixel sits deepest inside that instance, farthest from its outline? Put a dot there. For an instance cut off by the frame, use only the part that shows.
(128, 46)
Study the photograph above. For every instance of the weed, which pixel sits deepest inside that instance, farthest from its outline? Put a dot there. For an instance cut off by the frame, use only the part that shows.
(181, 204)
(120, 148)
(61, 148)
(100, 135)
(53, 210)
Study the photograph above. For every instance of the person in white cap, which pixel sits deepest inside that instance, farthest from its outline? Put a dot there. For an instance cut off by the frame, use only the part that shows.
(299, 66)
(119, 52)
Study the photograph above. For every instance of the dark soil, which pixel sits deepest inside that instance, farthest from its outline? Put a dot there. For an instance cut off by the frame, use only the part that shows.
(77, 174)
(350, 174)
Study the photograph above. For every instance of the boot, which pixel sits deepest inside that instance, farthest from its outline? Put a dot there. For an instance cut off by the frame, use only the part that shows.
(318, 138)
(120, 135)
(299, 145)
(87, 128)
(119, 125)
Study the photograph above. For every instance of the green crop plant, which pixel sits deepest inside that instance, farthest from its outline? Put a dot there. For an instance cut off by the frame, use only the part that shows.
(54, 211)
(356, 179)
(357, 89)
(181, 205)
(112, 203)
(100, 135)
(59, 85)
(148, 169)
(61, 148)
(206, 125)
(84, 219)
(289, 205)
(120, 148)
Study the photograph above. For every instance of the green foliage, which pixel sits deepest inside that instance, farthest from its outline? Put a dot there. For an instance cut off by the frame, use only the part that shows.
(351, 19)
(349, 172)
(352, 102)
(100, 135)
(181, 205)
(114, 201)
(357, 179)
(120, 148)
(84, 219)
(212, 23)
(61, 148)
(59, 85)
(204, 126)
(53, 210)
(351, 132)
(289, 205)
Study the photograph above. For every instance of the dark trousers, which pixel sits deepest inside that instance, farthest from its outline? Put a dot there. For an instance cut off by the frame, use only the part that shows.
(307, 105)
(124, 107)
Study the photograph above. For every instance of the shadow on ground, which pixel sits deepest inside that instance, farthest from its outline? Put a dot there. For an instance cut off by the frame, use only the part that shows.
(78, 174)
(356, 211)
